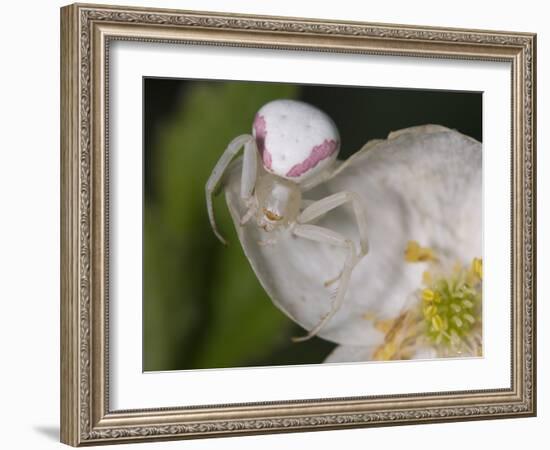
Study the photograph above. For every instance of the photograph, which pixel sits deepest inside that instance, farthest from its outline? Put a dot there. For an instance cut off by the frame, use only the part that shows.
(288, 224)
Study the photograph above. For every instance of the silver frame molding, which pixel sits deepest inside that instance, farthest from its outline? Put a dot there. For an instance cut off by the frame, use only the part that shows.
(86, 33)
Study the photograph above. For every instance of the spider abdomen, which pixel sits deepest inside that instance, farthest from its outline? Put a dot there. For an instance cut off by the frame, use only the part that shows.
(296, 140)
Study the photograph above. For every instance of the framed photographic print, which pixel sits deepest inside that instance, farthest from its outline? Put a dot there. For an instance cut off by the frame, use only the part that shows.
(276, 224)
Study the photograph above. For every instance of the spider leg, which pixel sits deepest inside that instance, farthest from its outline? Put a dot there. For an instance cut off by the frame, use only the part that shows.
(252, 205)
(250, 172)
(321, 234)
(323, 206)
(330, 281)
(248, 178)
(325, 235)
(305, 203)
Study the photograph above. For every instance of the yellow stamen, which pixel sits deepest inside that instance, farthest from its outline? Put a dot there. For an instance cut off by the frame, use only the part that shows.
(385, 352)
(437, 323)
(384, 325)
(427, 278)
(430, 311)
(469, 318)
(477, 267)
(467, 304)
(428, 295)
(455, 308)
(415, 253)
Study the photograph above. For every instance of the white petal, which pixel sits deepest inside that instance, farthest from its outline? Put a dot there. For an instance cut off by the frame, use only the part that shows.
(350, 353)
(425, 353)
(422, 184)
(354, 353)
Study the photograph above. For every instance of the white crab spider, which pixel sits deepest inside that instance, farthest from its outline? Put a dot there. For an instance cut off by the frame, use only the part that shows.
(298, 145)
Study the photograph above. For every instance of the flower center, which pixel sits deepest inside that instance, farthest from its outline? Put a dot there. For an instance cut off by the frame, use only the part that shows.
(444, 317)
(451, 305)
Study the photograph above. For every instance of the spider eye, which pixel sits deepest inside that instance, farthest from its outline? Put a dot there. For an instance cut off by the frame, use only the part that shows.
(271, 215)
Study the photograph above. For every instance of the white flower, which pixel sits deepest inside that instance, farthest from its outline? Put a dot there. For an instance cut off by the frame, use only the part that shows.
(422, 184)
(442, 319)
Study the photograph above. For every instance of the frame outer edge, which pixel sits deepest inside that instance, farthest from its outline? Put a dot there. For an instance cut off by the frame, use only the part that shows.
(534, 137)
(85, 420)
(69, 113)
(533, 186)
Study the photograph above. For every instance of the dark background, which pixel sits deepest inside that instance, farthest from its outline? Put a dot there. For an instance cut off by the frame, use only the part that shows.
(203, 307)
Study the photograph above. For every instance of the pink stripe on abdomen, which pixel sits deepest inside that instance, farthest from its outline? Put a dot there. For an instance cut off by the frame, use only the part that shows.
(261, 132)
(318, 153)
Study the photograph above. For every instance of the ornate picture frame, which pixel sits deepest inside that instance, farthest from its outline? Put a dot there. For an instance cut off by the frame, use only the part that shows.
(87, 31)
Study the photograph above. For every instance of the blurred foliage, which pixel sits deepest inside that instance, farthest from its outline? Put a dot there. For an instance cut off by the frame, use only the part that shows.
(203, 306)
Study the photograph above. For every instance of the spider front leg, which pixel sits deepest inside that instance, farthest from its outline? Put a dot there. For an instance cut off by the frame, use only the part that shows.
(320, 234)
(248, 177)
